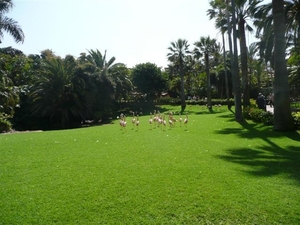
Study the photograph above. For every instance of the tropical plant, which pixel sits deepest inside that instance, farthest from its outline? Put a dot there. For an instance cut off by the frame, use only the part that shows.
(120, 75)
(206, 47)
(242, 10)
(8, 24)
(179, 50)
(59, 95)
(218, 11)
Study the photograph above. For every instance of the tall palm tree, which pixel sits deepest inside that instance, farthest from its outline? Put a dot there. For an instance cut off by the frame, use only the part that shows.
(218, 11)
(8, 24)
(179, 50)
(283, 120)
(241, 10)
(226, 21)
(206, 47)
(111, 79)
(265, 30)
(234, 61)
(245, 9)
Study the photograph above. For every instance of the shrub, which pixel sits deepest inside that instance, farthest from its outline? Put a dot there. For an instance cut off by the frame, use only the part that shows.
(296, 117)
(5, 124)
(258, 115)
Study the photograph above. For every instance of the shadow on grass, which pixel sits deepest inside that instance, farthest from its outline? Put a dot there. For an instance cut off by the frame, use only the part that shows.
(269, 159)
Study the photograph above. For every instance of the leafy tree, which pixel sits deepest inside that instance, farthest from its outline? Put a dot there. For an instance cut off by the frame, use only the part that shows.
(8, 24)
(148, 79)
(179, 51)
(15, 75)
(9, 94)
(48, 53)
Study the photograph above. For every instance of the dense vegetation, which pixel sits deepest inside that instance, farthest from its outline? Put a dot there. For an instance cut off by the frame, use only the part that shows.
(46, 91)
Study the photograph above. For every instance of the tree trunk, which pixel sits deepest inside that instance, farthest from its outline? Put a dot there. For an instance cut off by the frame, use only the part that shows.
(234, 65)
(208, 81)
(283, 120)
(226, 74)
(182, 94)
(244, 62)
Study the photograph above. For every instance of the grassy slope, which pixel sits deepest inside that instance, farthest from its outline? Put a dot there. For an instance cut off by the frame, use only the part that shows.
(215, 171)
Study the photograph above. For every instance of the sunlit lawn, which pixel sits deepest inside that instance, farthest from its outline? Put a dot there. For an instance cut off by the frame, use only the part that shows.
(214, 171)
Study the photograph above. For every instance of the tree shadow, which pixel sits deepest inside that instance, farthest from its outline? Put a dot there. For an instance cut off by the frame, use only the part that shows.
(269, 159)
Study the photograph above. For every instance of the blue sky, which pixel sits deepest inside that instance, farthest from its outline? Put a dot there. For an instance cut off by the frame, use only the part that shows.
(134, 31)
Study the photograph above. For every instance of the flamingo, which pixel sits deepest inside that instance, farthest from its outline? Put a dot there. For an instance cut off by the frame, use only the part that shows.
(124, 121)
(164, 122)
(150, 120)
(121, 120)
(133, 119)
(186, 120)
(155, 118)
(180, 119)
(170, 120)
(173, 120)
(137, 122)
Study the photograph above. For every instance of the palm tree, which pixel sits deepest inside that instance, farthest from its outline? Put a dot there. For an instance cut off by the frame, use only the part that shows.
(179, 50)
(99, 61)
(58, 94)
(234, 62)
(206, 47)
(283, 120)
(120, 76)
(218, 12)
(241, 10)
(8, 24)
(245, 9)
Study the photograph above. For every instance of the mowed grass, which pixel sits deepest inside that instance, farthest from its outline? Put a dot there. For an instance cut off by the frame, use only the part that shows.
(214, 171)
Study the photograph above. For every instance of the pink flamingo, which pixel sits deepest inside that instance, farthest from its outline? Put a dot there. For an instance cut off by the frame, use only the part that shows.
(186, 120)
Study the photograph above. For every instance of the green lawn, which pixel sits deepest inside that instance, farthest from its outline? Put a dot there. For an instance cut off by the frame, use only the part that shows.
(214, 171)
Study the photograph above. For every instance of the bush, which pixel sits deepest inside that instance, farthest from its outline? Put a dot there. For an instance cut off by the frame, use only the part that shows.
(213, 102)
(296, 117)
(5, 124)
(258, 115)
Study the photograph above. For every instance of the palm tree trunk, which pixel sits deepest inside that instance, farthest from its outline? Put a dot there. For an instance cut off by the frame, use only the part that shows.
(208, 81)
(283, 120)
(226, 74)
(182, 95)
(234, 64)
(244, 63)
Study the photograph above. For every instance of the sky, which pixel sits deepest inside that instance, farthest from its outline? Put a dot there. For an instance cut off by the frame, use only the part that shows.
(133, 31)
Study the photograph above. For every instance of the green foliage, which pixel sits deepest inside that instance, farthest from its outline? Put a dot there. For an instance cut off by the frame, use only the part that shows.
(296, 117)
(258, 115)
(148, 79)
(9, 25)
(59, 95)
(5, 124)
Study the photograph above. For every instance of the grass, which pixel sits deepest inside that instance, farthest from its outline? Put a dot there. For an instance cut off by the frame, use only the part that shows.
(215, 171)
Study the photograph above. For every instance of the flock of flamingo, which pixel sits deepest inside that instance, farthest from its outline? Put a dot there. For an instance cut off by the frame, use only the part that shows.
(156, 120)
